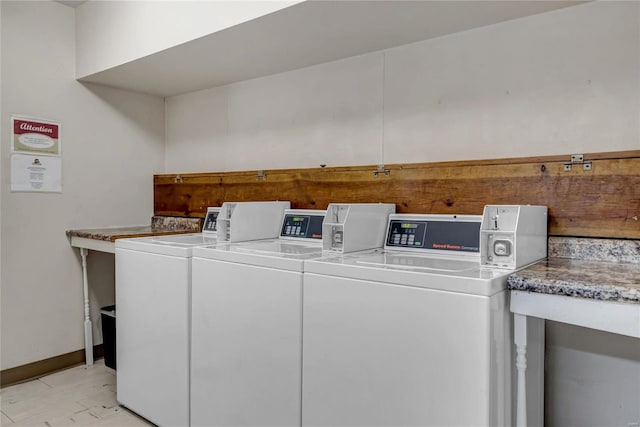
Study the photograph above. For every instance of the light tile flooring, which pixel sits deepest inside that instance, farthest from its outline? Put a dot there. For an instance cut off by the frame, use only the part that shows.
(80, 396)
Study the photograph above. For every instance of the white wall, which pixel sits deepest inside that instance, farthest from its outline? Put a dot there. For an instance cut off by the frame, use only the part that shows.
(327, 114)
(558, 83)
(563, 82)
(112, 144)
(111, 33)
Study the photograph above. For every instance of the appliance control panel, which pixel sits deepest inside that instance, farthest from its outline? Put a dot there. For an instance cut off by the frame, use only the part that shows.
(442, 234)
(302, 224)
(406, 233)
(210, 221)
(447, 234)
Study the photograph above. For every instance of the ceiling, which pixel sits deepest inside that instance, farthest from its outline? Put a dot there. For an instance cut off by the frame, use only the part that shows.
(306, 34)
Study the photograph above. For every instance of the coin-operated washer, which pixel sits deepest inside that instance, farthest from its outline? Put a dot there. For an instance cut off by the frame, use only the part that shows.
(153, 299)
(418, 333)
(247, 302)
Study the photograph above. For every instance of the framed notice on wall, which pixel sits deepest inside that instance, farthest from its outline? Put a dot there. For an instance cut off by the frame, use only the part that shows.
(36, 147)
(35, 136)
(30, 172)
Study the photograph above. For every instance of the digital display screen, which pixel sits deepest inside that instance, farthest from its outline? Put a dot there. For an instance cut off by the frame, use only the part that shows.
(438, 235)
(302, 226)
(210, 221)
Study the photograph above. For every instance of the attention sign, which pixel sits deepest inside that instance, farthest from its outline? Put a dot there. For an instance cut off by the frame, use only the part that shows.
(36, 137)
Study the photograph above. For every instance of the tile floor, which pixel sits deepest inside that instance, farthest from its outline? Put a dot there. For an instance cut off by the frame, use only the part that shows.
(80, 396)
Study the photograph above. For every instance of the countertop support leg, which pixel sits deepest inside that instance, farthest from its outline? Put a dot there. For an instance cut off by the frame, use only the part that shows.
(88, 328)
(520, 339)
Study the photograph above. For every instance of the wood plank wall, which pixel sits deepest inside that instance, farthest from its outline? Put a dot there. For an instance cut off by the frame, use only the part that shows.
(601, 202)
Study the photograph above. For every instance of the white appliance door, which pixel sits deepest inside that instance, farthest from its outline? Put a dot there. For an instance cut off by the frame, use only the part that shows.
(246, 345)
(152, 335)
(378, 354)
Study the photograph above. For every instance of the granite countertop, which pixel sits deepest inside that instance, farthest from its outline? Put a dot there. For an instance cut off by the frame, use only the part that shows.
(159, 226)
(598, 269)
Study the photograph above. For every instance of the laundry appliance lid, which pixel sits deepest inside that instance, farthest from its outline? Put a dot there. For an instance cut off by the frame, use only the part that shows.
(273, 253)
(412, 269)
(281, 247)
(180, 245)
(195, 239)
(416, 262)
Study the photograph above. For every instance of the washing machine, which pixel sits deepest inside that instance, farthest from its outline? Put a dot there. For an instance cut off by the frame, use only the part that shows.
(153, 300)
(246, 340)
(418, 333)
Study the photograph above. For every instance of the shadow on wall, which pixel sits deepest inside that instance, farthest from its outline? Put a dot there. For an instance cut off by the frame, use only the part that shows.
(144, 111)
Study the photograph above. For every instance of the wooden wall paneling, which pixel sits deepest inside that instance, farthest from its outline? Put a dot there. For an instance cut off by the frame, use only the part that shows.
(601, 202)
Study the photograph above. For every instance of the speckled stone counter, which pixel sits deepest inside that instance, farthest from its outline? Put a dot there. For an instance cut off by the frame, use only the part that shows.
(612, 250)
(599, 280)
(597, 269)
(177, 223)
(160, 225)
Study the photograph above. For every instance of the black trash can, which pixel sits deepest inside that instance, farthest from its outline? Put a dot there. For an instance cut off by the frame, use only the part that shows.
(108, 315)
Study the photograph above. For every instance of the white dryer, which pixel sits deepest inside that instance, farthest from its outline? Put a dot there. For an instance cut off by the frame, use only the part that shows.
(418, 333)
(153, 280)
(246, 341)
(153, 300)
